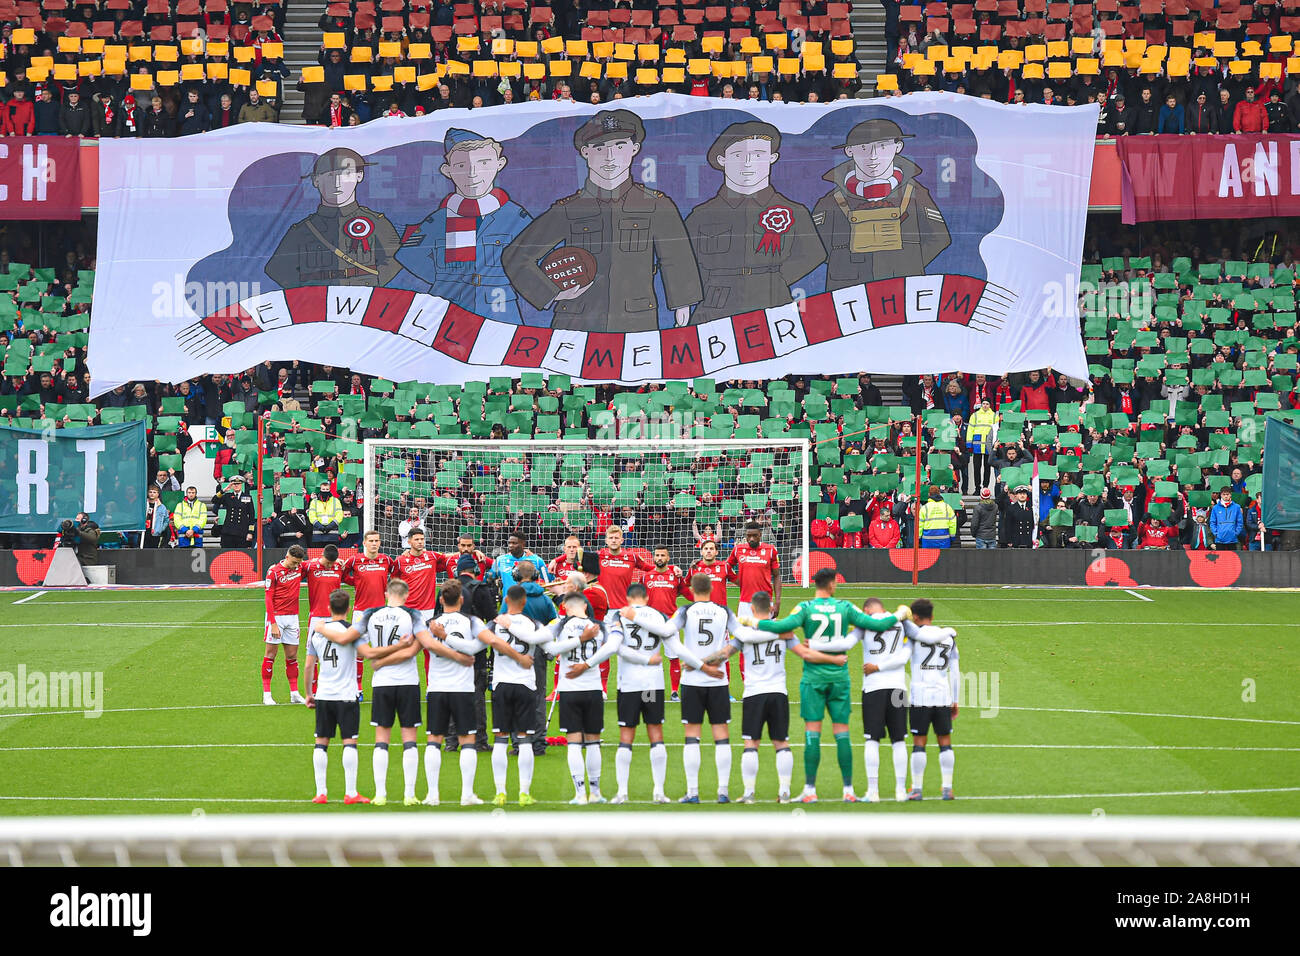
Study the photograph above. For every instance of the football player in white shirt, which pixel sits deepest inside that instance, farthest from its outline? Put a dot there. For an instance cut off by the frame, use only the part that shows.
(933, 698)
(514, 694)
(396, 686)
(641, 689)
(451, 691)
(581, 645)
(335, 696)
(884, 699)
(767, 699)
(704, 692)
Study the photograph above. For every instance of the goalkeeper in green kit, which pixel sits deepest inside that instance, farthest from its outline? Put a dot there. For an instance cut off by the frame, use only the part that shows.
(827, 625)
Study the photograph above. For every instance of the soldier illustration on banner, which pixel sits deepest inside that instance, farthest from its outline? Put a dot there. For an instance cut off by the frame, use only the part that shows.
(630, 231)
(877, 221)
(457, 249)
(751, 242)
(341, 243)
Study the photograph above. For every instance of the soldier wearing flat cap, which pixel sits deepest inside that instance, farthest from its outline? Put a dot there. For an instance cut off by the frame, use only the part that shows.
(630, 230)
(342, 242)
(751, 242)
(457, 248)
(877, 222)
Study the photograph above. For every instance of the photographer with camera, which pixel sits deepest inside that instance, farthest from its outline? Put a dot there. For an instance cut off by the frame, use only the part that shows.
(81, 534)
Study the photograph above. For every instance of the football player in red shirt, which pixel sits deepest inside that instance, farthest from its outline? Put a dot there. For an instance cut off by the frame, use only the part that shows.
(368, 572)
(571, 560)
(324, 576)
(283, 585)
(617, 568)
(419, 569)
(719, 573)
(464, 545)
(663, 584)
(757, 567)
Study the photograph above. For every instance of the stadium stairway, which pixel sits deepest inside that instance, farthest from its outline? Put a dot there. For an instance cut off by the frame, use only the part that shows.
(868, 21)
(302, 40)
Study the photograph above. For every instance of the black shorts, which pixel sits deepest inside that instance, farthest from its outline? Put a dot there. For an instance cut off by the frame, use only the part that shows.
(446, 706)
(698, 701)
(582, 712)
(885, 709)
(770, 709)
(343, 714)
(920, 719)
(402, 701)
(637, 705)
(514, 710)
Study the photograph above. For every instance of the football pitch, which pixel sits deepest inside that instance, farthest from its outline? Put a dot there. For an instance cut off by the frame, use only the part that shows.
(1170, 702)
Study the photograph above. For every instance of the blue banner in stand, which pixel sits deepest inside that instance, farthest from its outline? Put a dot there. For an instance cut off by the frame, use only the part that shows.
(665, 238)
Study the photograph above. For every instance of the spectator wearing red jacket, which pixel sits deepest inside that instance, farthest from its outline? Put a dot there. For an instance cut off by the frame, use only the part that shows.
(1033, 396)
(18, 117)
(1154, 533)
(821, 537)
(883, 532)
(1250, 116)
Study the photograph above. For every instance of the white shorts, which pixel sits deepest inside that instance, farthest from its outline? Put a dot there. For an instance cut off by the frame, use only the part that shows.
(288, 624)
(744, 610)
(313, 622)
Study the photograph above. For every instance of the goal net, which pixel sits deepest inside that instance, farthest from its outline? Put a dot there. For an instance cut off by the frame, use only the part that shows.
(505, 838)
(662, 493)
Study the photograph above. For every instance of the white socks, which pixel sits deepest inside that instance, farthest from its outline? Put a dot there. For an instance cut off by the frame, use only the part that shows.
(623, 767)
(526, 766)
(722, 761)
(592, 752)
(871, 758)
(947, 760)
(379, 767)
(658, 766)
(468, 764)
(749, 769)
(410, 768)
(900, 763)
(784, 769)
(918, 767)
(320, 762)
(349, 770)
(432, 767)
(500, 763)
(691, 763)
(576, 770)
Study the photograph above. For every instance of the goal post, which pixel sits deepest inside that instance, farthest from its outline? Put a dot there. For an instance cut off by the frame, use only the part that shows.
(665, 493)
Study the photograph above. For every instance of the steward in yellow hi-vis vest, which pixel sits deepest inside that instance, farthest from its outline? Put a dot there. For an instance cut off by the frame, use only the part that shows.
(877, 222)
(938, 522)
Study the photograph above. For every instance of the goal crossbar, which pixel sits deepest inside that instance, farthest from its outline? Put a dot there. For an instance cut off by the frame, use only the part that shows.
(639, 837)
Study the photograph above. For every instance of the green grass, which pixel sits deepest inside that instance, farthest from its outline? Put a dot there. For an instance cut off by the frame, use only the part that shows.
(1188, 703)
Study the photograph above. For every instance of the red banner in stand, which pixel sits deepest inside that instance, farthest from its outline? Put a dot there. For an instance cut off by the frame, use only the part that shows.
(1242, 176)
(40, 177)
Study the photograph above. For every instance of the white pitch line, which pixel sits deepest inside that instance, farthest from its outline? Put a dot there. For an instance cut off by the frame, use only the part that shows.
(946, 600)
(1138, 713)
(668, 743)
(31, 597)
(488, 808)
(1140, 597)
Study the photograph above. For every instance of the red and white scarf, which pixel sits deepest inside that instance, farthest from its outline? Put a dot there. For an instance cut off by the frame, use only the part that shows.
(873, 190)
(108, 112)
(128, 114)
(336, 116)
(462, 222)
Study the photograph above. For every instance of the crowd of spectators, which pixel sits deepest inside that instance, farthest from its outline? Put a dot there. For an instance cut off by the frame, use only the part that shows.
(1159, 66)
(1188, 354)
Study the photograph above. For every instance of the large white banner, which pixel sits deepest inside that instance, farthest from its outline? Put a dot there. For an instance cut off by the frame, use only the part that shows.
(659, 237)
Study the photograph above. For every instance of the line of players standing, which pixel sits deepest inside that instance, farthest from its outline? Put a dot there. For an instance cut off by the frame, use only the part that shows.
(398, 612)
